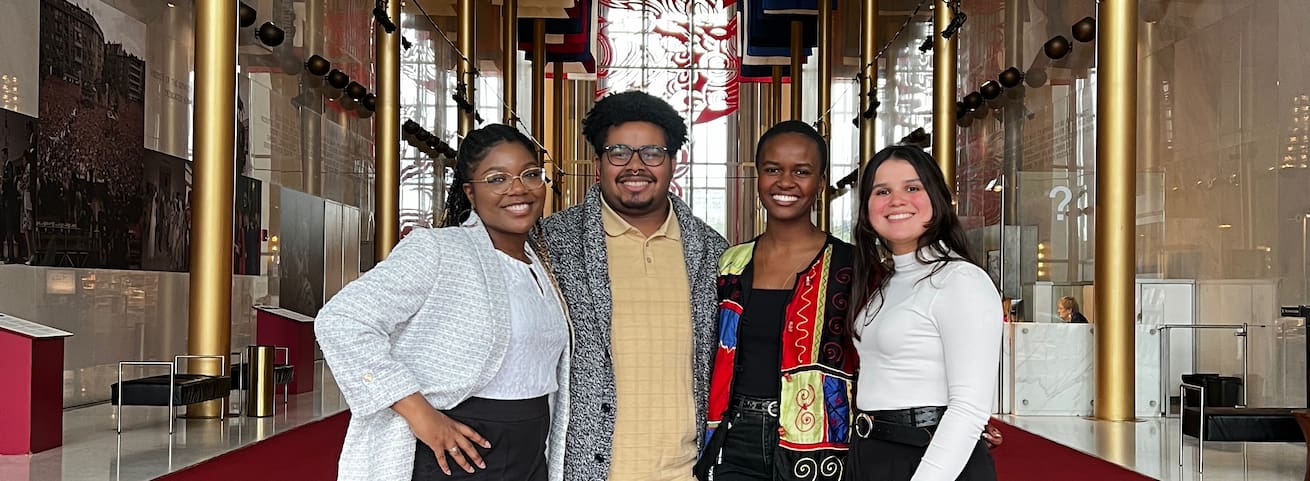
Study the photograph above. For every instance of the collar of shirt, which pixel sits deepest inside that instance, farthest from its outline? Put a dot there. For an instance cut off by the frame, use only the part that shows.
(616, 226)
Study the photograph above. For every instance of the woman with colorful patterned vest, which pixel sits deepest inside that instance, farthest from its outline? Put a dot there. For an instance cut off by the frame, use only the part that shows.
(780, 393)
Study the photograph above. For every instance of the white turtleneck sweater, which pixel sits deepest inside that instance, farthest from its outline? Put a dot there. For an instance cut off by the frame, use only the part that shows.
(935, 341)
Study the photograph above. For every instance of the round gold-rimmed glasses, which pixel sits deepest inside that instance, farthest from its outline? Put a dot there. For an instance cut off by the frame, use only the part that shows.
(500, 182)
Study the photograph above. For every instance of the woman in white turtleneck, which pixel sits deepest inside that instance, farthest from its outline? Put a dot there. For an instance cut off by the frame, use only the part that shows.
(927, 328)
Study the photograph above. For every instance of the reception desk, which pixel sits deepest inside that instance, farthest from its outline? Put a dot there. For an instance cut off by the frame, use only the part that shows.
(31, 386)
(1048, 369)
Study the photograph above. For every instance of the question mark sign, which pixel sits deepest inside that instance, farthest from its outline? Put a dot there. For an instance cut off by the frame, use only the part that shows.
(1061, 205)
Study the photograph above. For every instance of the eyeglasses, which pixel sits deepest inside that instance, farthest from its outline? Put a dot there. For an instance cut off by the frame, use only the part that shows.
(500, 182)
(620, 155)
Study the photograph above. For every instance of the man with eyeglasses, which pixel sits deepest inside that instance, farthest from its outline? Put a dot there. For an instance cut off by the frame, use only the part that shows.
(638, 271)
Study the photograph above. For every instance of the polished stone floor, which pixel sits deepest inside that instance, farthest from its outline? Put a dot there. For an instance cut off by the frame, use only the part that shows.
(93, 452)
(1150, 447)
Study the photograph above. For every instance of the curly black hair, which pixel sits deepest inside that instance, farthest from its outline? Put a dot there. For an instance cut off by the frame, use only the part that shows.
(633, 106)
(796, 127)
(472, 150)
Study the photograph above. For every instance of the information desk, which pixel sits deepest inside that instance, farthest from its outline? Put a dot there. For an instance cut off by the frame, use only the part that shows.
(275, 326)
(31, 386)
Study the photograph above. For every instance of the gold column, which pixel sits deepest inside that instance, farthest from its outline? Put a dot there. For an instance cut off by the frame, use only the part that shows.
(775, 96)
(1116, 190)
(825, 68)
(311, 122)
(386, 138)
(209, 318)
(797, 65)
(1012, 115)
(943, 93)
(539, 111)
(557, 106)
(1148, 110)
(509, 35)
(465, 66)
(869, 79)
(825, 98)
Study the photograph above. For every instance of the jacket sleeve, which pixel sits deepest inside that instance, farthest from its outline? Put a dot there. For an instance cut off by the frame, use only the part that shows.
(355, 329)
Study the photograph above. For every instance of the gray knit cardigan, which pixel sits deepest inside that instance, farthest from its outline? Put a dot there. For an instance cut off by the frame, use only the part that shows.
(431, 318)
(576, 241)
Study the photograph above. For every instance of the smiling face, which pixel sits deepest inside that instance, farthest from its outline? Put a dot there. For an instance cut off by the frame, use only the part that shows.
(635, 189)
(513, 213)
(899, 207)
(789, 176)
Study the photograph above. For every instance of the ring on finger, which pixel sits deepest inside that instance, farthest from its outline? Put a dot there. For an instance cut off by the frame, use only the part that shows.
(452, 449)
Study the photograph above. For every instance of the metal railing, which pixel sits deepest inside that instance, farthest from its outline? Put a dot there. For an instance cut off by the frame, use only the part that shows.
(1241, 330)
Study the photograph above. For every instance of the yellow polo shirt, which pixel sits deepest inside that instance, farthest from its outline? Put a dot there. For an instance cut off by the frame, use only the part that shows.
(651, 346)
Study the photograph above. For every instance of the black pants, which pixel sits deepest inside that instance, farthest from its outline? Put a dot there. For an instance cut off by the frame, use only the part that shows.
(517, 431)
(747, 453)
(878, 460)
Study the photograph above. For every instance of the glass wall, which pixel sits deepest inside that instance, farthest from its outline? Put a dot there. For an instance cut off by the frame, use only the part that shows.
(1222, 168)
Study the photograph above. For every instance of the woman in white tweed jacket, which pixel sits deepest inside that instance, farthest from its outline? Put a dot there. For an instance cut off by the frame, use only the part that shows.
(447, 350)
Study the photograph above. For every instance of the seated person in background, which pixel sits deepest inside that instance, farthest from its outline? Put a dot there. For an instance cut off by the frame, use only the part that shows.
(1068, 310)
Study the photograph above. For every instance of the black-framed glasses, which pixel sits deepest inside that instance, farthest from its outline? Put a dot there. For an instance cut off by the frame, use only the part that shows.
(620, 155)
(501, 183)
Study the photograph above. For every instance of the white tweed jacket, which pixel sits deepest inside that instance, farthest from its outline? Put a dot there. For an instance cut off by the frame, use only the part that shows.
(431, 318)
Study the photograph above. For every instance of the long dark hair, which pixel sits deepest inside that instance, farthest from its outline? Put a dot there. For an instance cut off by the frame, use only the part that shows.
(944, 236)
(472, 150)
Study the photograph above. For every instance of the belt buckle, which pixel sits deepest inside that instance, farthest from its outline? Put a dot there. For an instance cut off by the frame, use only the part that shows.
(772, 408)
(868, 423)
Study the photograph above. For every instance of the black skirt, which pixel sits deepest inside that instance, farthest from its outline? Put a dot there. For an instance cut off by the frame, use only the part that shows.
(517, 431)
(878, 460)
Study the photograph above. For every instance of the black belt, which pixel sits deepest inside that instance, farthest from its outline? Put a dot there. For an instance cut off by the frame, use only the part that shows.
(913, 426)
(744, 404)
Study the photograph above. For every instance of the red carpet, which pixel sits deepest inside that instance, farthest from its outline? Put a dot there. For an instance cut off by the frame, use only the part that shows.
(1024, 456)
(309, 453)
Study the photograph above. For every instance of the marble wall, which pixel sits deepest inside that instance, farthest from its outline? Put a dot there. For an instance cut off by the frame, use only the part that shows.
(1054, 369)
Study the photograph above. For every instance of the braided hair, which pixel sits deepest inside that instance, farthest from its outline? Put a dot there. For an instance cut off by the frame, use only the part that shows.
(472, 150)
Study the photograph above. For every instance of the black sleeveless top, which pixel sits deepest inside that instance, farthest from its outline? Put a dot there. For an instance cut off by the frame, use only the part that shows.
(759, 344)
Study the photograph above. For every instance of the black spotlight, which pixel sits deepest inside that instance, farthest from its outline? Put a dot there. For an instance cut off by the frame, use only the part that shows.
(1011, 77)
(1085, 30)
(411, 127)
(1057, 47)
(380, 15)
(990, 89)
(245, 15)
(926, 45)
(370, 102)
(338, 79)
(270, 34)
(964, 121)
(317, 65)
(290, 65)
(973, 101)
(1035, 78)
(355, 90)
